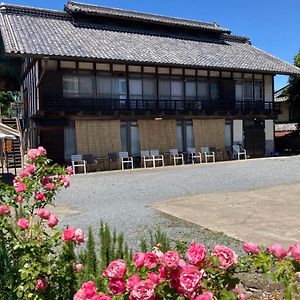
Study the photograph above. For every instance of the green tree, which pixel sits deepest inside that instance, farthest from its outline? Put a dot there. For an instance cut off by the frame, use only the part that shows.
(6, 98)
(294, 85)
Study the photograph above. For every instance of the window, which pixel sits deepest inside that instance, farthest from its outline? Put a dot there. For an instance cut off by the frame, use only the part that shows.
(228, 134)
(202, 90)
(130, 138)
(214, 90)
(185, 135)
(78, 86)
(170, 89)
(258, 90)
(70, 140)
(135, 93)
(190, 90)
(244, 90)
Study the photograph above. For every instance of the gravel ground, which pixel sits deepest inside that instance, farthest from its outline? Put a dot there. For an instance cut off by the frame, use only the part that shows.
(121, 198)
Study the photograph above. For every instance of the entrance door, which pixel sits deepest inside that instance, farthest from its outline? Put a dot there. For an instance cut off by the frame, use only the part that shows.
(52, 139)
(254, 138)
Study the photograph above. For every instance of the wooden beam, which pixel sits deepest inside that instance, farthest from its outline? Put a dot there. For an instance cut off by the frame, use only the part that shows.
(28, 69)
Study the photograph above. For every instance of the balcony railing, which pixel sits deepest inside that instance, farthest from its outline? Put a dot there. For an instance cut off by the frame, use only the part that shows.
(75, 105)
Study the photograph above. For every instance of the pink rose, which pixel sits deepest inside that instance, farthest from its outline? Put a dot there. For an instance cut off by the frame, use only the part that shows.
(20, 199)
(277, 251)
(30, 168)
(294, 252)
(162, 272)
(242, 296)
(117, 286)
(205, 296)
(171, 259)
(153, 278)
(116, 269)
(89, 289)
(43, 213)
(77, 267)
(45, 180)
(190, 279)
(132, 281)
(196, 254)
(42, 151)
(150, 260)
(251, 248)
(40, 196)
(79, 236)
(182, 263)
(65, 181)
(52, 221)
(68, 234)
(226, 256)
(4, 210)
(50, 186)
(138, 259)
(101, 297)
(70, 170)
(20, 187)
(24, 174)
(144, 290)
(41, 285)
(33, 154)
(23, 223)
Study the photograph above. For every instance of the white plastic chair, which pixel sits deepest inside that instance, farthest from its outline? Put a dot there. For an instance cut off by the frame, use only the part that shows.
(125, 159)
(194, 155)
(208, 154)
(176, 156)
(78, 161)
(157, 157)
(237, 151)
(146, 157)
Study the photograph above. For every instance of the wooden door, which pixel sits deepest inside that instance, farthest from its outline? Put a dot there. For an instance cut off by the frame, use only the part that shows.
(254, 140)
(52, 139)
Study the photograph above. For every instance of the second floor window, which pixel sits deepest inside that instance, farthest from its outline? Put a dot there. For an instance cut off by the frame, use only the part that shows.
(249, 90)
(75, 86)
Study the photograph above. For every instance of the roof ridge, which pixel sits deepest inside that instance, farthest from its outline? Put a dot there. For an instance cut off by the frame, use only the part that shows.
(213, 25)
(30, 9)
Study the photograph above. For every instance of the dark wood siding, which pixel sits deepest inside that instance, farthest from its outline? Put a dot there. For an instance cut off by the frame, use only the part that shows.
(254, 141)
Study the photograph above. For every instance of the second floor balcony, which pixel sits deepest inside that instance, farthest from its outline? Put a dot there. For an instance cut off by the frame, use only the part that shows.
(141, 106)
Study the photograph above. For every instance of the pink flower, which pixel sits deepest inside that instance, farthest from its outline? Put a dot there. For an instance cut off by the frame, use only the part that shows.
(30, 168)
(45, 180)
(20, 199)
(242, 296)
(277, 251)
(196, 254)
(23, 223)
(24, 174)
(41, 285)
(50, 186)
(4, 210)
(251, 248)
(170, 259)
(77, 267)
(116, 269)
(89, 289)
(190, 279)
(79, 236)
(65, 181)
(153, 278)
(162, 272)
(138, 259)
(40, 196)
(101, 297)
(33, 154)
(43, 213)
(68, 234)
(226, 256)
(42, 151)
(132, 281)
(116, 286)
(150, 260)
(294, 252)
(205, 296)
(144, 290)
(20, 187)
(52, 221)
(70, 170)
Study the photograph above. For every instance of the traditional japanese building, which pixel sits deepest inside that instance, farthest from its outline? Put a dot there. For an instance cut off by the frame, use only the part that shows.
(97, 80)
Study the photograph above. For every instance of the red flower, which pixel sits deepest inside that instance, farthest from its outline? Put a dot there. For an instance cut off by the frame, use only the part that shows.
(68, 235)
(115, 269)
(117, 286)
(171, 259)
(150, 260)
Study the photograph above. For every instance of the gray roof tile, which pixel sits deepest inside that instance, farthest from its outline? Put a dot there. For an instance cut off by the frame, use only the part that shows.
(47, 33)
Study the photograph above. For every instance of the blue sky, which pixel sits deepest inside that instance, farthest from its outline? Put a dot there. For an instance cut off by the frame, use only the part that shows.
(272, 25)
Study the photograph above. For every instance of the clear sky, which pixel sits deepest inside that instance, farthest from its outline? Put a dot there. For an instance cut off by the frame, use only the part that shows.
(272, 25)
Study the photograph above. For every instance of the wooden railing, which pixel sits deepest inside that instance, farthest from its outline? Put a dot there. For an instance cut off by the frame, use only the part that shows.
(75, 105)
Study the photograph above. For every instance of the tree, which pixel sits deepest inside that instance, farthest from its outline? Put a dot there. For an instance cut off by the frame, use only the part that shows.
(6, 98)
(293, 90)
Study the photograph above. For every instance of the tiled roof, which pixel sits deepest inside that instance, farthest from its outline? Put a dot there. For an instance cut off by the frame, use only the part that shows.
(286, 127)
(36, 32)
(76, 7)
(280, 95)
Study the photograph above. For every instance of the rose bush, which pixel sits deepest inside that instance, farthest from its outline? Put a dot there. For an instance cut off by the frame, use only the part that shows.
(35, 260)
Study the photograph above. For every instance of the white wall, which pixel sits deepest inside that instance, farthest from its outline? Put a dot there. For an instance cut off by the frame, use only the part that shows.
(269, 136)
(268, 88)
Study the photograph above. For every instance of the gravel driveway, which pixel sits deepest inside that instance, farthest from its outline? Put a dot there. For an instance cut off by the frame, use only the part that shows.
(122, 198)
